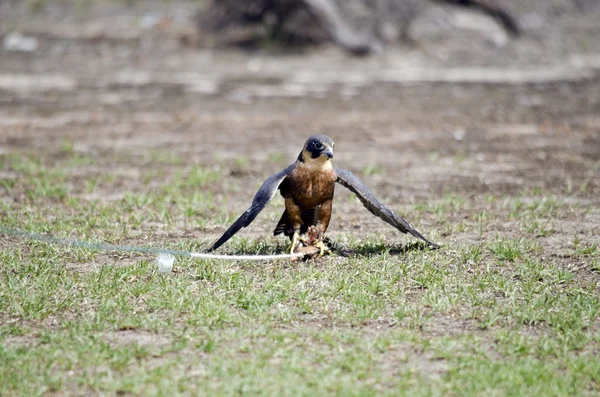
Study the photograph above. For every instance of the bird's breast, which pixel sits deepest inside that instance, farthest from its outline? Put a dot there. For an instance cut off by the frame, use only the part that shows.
(309, 188)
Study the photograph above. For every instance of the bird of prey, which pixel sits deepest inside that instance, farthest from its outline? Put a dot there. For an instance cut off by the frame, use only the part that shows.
(307, 187)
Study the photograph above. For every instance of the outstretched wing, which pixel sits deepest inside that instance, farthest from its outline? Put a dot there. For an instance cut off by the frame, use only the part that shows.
(261, 199)
(355, 185)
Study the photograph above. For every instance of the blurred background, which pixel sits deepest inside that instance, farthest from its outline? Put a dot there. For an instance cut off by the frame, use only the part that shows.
(425, 98)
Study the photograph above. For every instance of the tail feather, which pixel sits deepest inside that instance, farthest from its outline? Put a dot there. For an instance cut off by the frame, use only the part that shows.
(281, 225)
(285, 227)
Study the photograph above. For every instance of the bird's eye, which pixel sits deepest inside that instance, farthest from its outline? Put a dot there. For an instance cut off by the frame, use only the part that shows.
(319, 146)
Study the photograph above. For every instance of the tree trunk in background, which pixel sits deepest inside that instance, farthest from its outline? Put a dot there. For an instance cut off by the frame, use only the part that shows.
(358, 26)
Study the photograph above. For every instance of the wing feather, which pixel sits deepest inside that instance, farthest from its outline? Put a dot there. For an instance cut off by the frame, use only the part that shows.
(356, 186)
(264, 195)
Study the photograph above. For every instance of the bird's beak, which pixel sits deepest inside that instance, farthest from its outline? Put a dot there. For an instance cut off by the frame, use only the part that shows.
(328, 153)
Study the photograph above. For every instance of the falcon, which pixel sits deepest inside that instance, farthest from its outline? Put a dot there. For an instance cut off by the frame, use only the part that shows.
(307, 187)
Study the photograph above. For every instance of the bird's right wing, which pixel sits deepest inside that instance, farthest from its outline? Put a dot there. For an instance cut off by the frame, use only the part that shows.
(356, 186)
(264, 195)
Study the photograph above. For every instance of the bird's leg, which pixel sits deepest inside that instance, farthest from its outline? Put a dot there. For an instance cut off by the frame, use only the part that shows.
(296, 238)
(294, 244)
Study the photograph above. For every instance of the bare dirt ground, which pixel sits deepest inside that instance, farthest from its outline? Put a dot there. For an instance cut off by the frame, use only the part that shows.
(458, 117)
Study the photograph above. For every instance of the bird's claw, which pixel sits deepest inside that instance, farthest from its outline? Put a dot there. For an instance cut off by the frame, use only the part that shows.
(297, 239)
(323, 248)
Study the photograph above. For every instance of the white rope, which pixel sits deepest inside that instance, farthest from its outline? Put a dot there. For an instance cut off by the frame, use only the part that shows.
(128, 248)
(247, 257)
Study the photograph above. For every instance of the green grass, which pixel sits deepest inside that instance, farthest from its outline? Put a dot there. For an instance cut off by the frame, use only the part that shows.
(492, 313)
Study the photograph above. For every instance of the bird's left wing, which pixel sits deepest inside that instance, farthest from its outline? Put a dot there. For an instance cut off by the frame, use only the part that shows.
(356, 186)
(261, 199)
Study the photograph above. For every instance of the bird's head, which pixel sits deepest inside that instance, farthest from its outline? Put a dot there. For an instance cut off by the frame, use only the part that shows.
(318, 148)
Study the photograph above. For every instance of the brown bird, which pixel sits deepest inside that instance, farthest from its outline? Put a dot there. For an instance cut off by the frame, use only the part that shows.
(307, 187)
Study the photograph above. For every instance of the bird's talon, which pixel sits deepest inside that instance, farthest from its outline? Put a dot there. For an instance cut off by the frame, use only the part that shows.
(296, 240)
(323, 248)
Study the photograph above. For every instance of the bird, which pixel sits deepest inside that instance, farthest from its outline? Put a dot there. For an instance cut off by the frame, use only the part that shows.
(307, 187)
